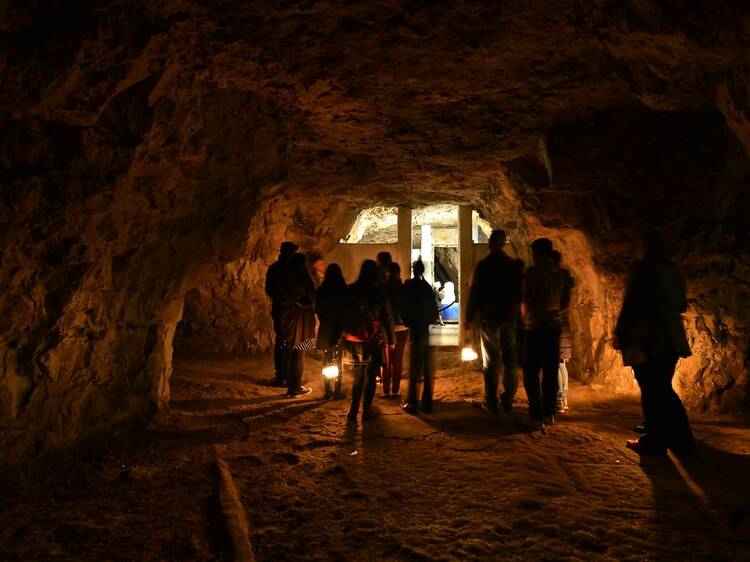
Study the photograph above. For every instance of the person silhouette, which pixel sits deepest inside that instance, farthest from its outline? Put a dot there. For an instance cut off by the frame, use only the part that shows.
(651, 336)
(273, 280)
(495, 297)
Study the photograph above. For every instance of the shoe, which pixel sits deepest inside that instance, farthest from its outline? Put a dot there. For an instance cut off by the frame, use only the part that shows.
(641, 449)
(301, 391)
(533, 424)
(385, 396)
(549, 420)
(277, 383)
(409, 408)
(368, 415)
(640, 429)
(489, 409)
(352, 416)
(395, 396)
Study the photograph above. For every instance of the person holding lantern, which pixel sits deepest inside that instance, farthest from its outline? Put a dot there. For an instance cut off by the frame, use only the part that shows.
(495, 297)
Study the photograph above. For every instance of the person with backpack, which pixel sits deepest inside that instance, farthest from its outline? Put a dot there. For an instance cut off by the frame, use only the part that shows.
(419, 310)
(367, 328)
(651, 335)
(329, 307)
(297, 320)
(546, 296)
(566, 343)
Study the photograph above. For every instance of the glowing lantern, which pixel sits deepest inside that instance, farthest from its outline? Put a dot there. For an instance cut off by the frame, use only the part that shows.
(330, 371)
(468, 354)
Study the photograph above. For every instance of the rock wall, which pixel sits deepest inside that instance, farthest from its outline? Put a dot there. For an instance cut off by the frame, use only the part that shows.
(152, 148)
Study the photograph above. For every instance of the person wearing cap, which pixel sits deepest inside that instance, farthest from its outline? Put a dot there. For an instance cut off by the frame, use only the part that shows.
(273, 282)
(495, 297)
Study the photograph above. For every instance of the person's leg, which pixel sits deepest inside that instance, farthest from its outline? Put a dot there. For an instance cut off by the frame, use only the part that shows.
(562, 390)
(428, 375)
(678, 435)
(489, 338)
(550, 366)
(358, 386)
(398, 360)
(652, 400)
(298, 368)
(531, 366)
(419, 341)
(509, 347)
(386, 371)
(291, 386)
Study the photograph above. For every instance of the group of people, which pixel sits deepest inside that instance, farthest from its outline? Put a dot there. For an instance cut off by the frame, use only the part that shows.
(523, 325)
(366, 324)
(522, 320)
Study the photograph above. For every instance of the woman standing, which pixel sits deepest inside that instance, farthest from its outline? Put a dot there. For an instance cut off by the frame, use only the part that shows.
(297, 320)
(329, 309)
(652, 338)
(367, 328)
(394, 359)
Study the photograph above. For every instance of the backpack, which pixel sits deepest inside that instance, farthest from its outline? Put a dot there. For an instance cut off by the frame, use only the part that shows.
(360, 318)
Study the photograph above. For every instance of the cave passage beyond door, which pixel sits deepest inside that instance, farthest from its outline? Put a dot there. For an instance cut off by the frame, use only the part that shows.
(435, 239)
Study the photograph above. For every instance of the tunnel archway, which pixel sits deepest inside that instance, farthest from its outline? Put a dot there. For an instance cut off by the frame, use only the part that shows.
(186, 154)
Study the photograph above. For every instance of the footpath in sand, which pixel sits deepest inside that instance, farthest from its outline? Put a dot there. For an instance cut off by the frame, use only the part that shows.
(454, 485)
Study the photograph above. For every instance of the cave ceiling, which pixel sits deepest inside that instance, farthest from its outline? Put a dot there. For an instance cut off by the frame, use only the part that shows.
(433, 97)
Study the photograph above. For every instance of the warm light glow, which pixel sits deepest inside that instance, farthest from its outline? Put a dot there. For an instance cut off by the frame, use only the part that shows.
(330, 371)
(468, 354)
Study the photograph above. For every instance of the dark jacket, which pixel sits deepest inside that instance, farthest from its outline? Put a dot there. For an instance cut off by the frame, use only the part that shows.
(329, 307)
(296, 313)
(418, 305)
(273, 279)
(651, 315)
(546, 294)
(367, 306)
(496, 290)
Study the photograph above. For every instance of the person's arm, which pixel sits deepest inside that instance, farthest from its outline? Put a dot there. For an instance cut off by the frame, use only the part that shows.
(386, 318)
(629, 312)
(528, 290)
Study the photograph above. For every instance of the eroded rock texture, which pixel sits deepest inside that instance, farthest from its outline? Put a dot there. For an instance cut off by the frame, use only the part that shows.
(154, 149)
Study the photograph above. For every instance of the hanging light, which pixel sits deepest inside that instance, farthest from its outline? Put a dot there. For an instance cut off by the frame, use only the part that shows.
(468, 354)
(331, 371)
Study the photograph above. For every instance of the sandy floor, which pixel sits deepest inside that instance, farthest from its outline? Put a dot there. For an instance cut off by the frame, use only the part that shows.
(454, 485)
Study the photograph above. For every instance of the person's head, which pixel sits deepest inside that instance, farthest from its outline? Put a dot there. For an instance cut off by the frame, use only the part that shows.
(655, 246)
(369, 273)
(334, 274)
(384, 258)
(498, 239)
(418, 268)
(556, 257)
(541, 248)
(394, 270)
(287, 249)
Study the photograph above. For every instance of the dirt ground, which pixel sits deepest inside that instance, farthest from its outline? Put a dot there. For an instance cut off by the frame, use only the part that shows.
(454, 485)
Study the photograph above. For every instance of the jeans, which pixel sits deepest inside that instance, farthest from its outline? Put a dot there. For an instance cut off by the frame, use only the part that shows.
(420, 365)
(366, 358)
(542, 353)
(499, 345)
(667, 423)
(394, 364)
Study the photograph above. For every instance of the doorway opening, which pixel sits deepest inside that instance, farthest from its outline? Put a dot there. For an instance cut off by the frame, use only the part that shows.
(435, 239)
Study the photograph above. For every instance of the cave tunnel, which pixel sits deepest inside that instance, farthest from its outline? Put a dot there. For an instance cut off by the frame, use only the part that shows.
(153, 158)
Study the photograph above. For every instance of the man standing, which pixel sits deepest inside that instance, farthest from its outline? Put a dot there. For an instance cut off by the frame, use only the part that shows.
(495, 296)
(273, 282)
(419, 310)
(546, 297)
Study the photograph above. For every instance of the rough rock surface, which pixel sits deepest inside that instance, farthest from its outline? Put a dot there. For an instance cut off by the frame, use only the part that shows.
(144, 143)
